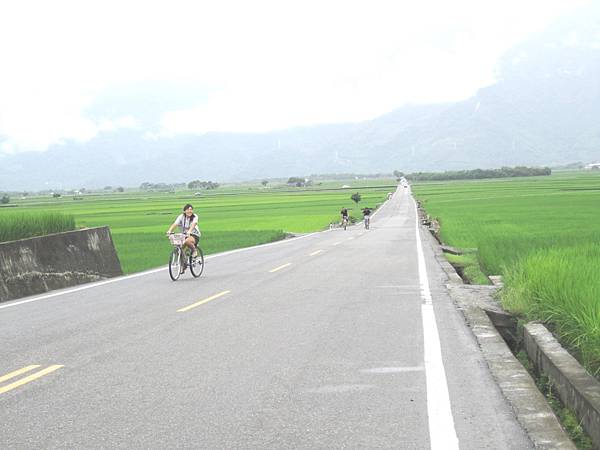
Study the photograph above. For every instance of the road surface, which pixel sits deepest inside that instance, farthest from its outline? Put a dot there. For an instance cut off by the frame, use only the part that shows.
(339, 339)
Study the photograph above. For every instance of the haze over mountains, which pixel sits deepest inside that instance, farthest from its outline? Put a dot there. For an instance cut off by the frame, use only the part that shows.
(543, 110)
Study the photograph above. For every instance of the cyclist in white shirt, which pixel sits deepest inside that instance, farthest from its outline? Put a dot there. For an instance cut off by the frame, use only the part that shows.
(188, 222)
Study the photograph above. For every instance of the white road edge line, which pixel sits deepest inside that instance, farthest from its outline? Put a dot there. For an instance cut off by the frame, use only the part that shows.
(442, 433)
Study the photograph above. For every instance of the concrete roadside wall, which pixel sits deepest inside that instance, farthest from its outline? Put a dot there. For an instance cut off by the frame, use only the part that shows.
(40, 264)
(577, 389)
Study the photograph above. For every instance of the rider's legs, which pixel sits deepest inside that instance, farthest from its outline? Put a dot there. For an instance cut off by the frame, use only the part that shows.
(191, 243)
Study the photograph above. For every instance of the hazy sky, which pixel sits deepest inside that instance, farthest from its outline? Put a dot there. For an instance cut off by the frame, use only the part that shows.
(73, 69)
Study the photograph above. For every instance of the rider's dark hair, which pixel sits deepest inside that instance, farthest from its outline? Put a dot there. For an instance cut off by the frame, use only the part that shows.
(187, 206)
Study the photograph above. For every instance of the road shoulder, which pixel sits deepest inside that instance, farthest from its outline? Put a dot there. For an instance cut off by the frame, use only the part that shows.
(518, 388)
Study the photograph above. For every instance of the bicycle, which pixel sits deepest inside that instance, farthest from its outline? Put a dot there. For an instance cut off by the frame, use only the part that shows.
(367, 222)
(181, 259)
(345, 222)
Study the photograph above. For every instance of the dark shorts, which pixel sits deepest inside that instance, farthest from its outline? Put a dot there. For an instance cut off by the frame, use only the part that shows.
(196, 239)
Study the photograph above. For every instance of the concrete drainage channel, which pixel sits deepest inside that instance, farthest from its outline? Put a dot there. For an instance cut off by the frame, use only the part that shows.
(577, 389)
(496, 330)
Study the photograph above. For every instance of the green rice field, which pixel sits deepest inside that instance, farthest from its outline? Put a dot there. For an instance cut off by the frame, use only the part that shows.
(543, 235)
(230, 216)
(20, 225)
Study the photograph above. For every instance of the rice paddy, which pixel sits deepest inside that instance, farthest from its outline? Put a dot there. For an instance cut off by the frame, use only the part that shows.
(15, 225)
(230, 217)
(543, 235)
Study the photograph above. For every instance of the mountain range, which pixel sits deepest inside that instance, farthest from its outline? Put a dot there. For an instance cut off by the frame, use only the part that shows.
(543, 110)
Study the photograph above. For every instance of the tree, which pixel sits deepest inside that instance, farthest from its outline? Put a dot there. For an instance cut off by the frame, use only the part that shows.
(356, 197)
(55, 195)
(120, 189)
(5, 199)
(194, 184)
(264, 182)
(197, 184)
(398, 174)
(296, 181)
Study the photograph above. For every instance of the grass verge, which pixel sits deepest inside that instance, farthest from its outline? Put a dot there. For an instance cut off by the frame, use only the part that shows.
(467, 266)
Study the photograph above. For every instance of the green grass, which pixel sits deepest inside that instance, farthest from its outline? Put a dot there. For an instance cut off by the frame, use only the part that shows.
(561, 286)
(469, 267)
(15, 225)
(542, 235)
(230, 216)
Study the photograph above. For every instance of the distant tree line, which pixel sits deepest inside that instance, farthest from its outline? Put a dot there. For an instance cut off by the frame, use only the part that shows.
(161, 186)
(299, 182)
(346, 176)
(197, 184)
(111, 188)
(476, 174)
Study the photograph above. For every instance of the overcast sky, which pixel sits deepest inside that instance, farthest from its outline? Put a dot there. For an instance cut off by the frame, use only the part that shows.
(73, 69)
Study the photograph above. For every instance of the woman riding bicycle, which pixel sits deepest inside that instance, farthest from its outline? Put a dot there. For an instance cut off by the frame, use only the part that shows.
(188, 221)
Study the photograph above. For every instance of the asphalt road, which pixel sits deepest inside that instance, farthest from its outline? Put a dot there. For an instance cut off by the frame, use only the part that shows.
(339, 339)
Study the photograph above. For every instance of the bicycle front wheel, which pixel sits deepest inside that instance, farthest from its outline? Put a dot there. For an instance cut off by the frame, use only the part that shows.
(175, 264)
(197, 263)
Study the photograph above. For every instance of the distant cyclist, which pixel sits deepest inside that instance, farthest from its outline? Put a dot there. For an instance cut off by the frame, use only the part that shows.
(367, 216)
(188, 222)
(344, 214)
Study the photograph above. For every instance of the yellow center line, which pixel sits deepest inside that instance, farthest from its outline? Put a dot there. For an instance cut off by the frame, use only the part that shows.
(280, 267)
(8, 376)
(202, 302)
(316, 253)
(33, 376)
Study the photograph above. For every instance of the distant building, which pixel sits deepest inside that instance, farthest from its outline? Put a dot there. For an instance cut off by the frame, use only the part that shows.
(593, 166)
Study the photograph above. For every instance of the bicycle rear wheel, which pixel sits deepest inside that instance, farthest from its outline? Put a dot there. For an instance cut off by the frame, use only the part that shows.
(175, 264)
(197, 263)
